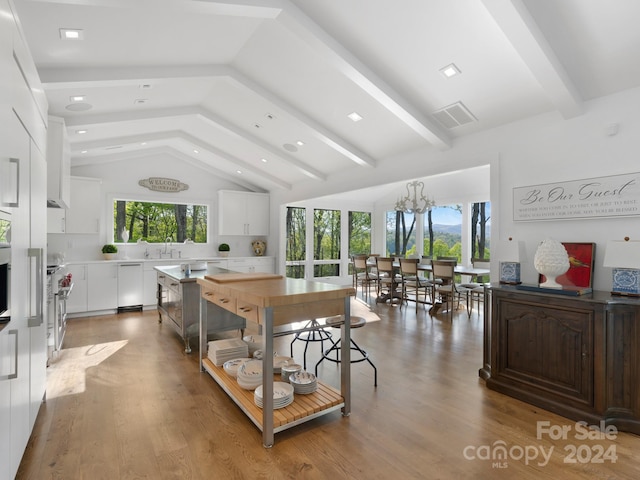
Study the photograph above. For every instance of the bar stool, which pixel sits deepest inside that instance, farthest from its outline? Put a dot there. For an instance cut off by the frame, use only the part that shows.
(313, 332)
(356, 322)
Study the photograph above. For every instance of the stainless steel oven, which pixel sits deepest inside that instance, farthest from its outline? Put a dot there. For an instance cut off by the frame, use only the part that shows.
(5, 266)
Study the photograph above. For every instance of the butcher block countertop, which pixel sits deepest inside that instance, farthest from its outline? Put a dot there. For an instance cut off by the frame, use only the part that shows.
(270, 290)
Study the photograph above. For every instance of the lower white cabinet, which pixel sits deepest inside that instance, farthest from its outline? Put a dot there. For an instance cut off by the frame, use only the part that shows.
(252, 265)
(102, 286)
(77, 301)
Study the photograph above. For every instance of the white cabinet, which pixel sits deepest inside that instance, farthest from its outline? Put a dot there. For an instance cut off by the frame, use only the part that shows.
(77, 301)
(243, 213)
(58, 164)
(84, 214)
(130, 284)
(218, 262)
(102, 286)
(252, 265)
(56, 220)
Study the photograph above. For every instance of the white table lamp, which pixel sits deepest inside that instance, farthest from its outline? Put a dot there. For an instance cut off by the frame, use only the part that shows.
(624, 258)
(509, 255)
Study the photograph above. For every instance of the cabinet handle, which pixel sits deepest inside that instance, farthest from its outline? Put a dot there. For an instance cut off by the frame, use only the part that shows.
(208, 294)
(224, 300)
(15, 359)
(246, 309)
(36, 319)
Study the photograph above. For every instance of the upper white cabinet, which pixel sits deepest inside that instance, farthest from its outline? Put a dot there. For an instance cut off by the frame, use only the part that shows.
(243, 213)
(84, 214)
(58, 164)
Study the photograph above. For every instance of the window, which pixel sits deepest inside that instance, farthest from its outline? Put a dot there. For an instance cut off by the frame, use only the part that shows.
(481, 230)
(296, 242)
(359, 232)
(443, 232)
(401, 233)
(326, 243)
(155, 222)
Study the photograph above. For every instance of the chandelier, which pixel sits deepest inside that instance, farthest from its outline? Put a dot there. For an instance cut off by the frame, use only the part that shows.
(413, 204)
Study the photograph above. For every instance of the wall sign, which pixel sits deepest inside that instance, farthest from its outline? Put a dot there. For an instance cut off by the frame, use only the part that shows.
(612, 196)
(160, 184)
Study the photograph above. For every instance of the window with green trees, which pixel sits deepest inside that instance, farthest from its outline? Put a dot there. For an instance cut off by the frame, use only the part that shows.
(296, 227)
(401, 233)
(326, 243)
(359, 232)
(155, 222)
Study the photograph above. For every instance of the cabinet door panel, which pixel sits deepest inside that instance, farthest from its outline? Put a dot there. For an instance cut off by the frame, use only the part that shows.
(84, 214)
(77, 301)
(102, 286)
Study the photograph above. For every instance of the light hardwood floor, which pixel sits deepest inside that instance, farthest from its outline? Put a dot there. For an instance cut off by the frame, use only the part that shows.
(124, 401)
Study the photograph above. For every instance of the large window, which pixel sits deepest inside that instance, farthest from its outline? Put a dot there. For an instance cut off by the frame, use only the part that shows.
(481, 230)
(155, 222)
(401, 233)
(443, 232)
(359, 232)
(326, 243)
(296, 242)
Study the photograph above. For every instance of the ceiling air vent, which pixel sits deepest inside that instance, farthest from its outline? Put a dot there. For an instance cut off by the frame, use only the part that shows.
(454, 115)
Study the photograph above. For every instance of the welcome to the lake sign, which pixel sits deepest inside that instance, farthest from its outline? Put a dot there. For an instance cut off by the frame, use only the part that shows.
(613, 196)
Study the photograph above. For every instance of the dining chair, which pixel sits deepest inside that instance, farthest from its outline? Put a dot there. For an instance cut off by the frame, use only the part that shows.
(412, 282)
(476, 289)
(448, 291)
(387, 280)
(363, 276)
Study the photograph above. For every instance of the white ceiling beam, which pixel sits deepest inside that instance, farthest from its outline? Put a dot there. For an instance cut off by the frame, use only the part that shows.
(267, 9)
(523, 33)
(164, 149)
(202, 115)
(167, 136)
(335, 54)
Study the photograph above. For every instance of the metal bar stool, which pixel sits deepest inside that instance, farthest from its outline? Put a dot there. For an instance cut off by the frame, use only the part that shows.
(312, 332)
(356, 322)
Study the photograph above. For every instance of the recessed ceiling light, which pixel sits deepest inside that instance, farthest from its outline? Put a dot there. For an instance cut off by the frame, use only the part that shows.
(239, 171)
(196, 151)
(80, 132)
(450, 71)
(76, 98)
(270, 116)
(355, 116)
(140, 101)
(84, 151)
(144, 86)
(257, 125)
(143, 143)
(264, 160)
(71, 34)
(299, 143)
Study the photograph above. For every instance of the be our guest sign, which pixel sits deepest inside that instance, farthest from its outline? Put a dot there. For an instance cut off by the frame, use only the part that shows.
(612, 196)
(161, 184)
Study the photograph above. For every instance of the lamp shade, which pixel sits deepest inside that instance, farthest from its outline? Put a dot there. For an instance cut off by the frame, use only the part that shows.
(622, 254)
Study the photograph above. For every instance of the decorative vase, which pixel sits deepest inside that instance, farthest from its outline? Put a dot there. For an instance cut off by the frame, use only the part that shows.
(551, 260)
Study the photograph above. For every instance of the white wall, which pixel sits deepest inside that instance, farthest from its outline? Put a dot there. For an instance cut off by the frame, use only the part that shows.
(120, 180)
(539, 150)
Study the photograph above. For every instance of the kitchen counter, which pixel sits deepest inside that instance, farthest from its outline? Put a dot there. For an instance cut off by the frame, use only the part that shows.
(178, 301)
(190, 260)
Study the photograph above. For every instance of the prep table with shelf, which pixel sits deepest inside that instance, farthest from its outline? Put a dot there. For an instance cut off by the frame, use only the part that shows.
(273, 301)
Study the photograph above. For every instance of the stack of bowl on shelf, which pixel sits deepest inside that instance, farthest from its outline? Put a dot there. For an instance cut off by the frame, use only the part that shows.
(282, 395)
(303, 382)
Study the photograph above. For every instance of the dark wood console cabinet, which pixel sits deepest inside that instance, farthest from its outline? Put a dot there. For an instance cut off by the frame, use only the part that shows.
(577, 356)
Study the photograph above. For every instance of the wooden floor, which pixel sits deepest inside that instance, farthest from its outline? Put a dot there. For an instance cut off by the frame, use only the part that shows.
(125, 401)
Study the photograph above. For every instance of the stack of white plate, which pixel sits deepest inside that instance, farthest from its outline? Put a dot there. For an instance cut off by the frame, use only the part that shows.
(221, 351)
(282, 395)
(303, 382)
(231, 366)
(249, 374)
(279, 362)
(254, 342)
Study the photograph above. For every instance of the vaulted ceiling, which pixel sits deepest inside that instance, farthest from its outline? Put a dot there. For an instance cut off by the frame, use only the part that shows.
(258, 91)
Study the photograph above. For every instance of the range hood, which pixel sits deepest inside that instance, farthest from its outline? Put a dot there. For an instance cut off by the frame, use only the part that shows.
(58, 164)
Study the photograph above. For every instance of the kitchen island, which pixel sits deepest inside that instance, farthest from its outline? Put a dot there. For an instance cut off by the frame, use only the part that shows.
(272, 301)
(179, 303)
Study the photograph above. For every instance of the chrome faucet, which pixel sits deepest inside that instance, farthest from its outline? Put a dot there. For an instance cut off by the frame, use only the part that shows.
(167, 241)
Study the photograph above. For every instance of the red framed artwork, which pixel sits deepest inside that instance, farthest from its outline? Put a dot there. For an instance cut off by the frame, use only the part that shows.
(581, 258)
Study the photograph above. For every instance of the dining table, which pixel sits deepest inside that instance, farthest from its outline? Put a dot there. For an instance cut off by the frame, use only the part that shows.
(471, 271)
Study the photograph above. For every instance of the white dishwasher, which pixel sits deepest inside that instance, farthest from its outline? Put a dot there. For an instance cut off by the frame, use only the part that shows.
(130, 286)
